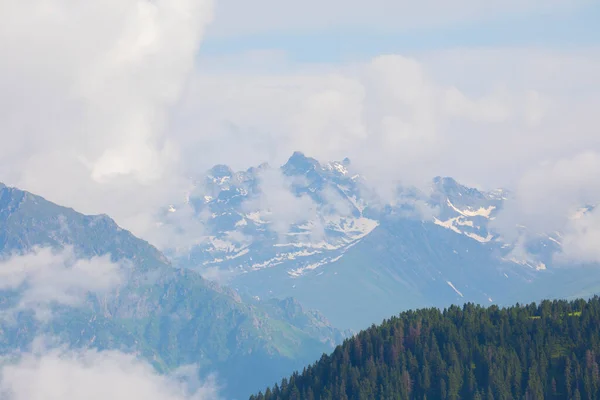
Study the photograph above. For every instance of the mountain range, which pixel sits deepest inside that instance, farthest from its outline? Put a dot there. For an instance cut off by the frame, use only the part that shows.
(274, 245)
(169, 316)
(319, 233)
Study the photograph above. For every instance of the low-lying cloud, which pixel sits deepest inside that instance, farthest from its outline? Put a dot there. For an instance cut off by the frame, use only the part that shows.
(47, 277)
(580, 239)
(59, 374)
(553, 198)
(279, 205)
(399, 119)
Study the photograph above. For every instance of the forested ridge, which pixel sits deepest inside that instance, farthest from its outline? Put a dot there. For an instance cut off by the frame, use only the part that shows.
(549, 350)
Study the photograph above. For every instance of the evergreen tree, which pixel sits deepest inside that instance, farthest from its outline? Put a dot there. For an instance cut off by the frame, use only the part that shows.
(550, 350)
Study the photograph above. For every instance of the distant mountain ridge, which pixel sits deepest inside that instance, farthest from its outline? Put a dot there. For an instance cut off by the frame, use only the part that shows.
(170, 316)
(356, 258)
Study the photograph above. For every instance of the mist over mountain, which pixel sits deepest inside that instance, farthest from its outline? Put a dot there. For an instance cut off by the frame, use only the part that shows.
(202, 196)
(318, 232)
(86, 283)
(315, 232)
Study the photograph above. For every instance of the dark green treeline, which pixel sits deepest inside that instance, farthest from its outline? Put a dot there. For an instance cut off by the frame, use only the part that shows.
(545, 351)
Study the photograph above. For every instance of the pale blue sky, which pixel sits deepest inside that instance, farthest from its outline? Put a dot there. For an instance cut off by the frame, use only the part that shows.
(574, 28)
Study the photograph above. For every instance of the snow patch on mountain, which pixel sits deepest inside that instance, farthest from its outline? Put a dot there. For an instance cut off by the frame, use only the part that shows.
(537, 265)
(481, 212)
(306, 215)
(480, 239)
(454, 288)
(256, 217)
(554, 240)
(298, 272)
(354, 228)
(228, 258)
(447, 224)
(452, 222)
(337, 166)
(242, 222)
(281, 258)
(221, 245)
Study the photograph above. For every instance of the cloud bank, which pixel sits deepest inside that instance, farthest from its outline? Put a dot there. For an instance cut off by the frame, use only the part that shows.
(283, 208)
(558, 198)
(46, 277)
(87, 93)
(58, 374)
(122, 120)
(481, 116)
(521, 119)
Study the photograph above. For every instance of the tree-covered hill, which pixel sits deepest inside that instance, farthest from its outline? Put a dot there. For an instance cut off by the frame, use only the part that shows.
(172, 317)
(545, 351)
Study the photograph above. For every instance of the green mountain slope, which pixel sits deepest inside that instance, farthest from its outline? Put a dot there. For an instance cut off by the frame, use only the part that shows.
(545, 351)
(170, 316)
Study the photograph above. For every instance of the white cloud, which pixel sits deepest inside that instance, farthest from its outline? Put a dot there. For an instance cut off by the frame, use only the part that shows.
(488, 117)
(59, 374)
(283, 208)
(87, 94)
(581, 238)
(118, 121)
(45, 277)
(418, 209)
(397, 118)
(216, 274)
(548, 197)
(495, 107)
(179, 229)
(334, 203)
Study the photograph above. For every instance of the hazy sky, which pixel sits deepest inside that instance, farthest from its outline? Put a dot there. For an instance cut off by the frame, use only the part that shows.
(335, 31)
(114, 106)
